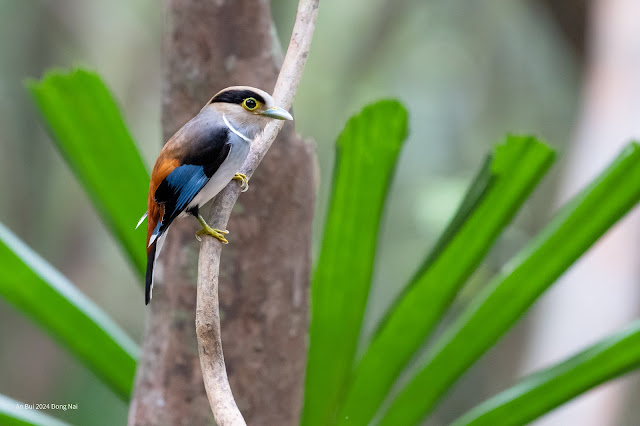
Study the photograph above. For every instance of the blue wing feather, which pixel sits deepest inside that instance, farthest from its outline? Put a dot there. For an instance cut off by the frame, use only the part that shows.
(176, 192)
(203, 156)
(186, 181)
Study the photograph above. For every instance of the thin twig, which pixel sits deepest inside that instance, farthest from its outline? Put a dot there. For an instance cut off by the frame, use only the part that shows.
(225, 410)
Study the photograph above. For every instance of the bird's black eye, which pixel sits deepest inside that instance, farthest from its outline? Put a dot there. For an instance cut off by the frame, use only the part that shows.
(250, 104)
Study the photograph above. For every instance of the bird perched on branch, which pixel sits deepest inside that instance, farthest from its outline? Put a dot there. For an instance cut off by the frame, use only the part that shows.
(200, 160)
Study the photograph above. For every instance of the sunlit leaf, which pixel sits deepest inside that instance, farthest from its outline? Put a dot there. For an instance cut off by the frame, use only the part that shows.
(38, 290)
(367, 150)
(543, 391)
(574, 229)
(88, 129)
(496, 194)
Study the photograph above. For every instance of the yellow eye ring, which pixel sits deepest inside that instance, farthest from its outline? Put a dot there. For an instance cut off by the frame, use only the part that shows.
(250, 104)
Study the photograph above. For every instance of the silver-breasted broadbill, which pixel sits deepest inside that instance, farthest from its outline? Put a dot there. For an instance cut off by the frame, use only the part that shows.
(200, 159)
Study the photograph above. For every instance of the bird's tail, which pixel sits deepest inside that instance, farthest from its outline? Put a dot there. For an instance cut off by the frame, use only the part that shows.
(151, 261)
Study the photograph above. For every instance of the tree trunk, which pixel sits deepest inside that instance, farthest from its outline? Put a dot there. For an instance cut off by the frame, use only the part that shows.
(265, 269)
(571, 17)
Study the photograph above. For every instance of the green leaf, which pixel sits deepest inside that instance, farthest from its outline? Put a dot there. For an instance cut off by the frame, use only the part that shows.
(88, 129)
(541, 392)
(367, 150)
(44, 295)
(504, 182)
(575, 228)
(14, 413)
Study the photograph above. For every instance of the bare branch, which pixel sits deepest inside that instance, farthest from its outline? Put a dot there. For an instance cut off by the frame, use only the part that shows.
(214, 373)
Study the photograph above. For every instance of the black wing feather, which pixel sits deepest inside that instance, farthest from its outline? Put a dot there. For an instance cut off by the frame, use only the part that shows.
(202, 160)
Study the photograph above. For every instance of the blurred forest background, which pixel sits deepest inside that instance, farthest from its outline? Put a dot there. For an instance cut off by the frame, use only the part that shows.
(468, 72)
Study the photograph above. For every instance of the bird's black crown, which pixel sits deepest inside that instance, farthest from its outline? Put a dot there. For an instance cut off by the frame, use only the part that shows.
(237, 96)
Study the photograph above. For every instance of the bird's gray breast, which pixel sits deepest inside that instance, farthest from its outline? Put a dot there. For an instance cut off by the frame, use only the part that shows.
(238, 152)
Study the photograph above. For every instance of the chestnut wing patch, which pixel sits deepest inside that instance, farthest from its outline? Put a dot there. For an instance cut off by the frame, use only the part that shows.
(179, 188)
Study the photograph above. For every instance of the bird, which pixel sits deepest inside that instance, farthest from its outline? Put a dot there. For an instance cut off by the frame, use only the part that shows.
(199, 160)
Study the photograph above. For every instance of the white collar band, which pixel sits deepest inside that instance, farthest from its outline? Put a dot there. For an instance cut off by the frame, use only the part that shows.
(233, 129)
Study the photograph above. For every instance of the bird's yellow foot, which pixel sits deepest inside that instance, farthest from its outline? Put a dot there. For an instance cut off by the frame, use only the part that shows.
(244, 181)
(207, 230)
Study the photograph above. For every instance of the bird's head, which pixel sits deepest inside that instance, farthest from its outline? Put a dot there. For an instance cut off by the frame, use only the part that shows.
(247, 107)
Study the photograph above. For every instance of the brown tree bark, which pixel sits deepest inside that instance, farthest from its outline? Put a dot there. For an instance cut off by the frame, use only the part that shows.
(265, 269)
(571, 17)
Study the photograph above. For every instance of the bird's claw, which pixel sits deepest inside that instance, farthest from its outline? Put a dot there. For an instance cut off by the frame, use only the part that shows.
(208, 230)
(244, 185)
(215, 233)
